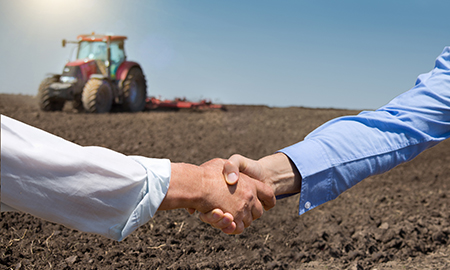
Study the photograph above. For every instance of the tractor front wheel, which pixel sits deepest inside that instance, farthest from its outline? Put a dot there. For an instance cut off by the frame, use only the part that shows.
(46, 102)
(97, 96)
(134, 91)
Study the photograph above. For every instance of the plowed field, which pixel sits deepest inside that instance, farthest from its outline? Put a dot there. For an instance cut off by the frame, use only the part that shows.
(397, 220)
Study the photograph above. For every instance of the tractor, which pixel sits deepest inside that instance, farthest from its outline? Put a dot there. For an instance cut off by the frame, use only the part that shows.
(99, 78)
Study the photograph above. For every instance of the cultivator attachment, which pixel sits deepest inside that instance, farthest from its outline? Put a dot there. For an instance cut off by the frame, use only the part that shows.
(181, 103)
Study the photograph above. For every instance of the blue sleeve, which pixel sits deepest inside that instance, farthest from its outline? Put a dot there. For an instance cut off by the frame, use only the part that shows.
(344, 151)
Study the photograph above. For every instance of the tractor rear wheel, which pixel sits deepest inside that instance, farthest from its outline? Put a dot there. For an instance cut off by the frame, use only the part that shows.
(134, 91)
(46, 102)
(97, 96)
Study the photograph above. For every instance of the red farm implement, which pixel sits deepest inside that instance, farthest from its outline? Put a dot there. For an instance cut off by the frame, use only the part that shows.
(181, 103)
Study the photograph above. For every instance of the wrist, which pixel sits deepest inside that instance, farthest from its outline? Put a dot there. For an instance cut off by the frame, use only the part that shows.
(281, 174)
(185, 187)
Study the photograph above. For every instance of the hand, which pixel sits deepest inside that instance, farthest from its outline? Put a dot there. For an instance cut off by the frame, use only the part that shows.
(203, 188)
(231, 169)
(277, 171)
(246, 204)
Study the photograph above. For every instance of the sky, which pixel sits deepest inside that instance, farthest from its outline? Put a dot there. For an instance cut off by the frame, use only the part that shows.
(350, 54)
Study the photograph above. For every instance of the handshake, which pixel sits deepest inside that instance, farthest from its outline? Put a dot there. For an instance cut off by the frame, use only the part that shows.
(97, 190)
(230, 194)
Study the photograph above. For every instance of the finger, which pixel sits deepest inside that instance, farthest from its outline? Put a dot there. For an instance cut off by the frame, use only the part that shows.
(191, 210)
(257, 210)
(212, 216)
(239, 227)
(265, 195)
(230, 229)
(225, 222)
(247, 220)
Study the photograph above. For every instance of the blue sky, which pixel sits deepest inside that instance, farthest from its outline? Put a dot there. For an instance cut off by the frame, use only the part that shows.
(339, 54)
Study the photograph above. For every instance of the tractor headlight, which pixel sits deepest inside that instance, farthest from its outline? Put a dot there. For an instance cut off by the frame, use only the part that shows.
(68, 79)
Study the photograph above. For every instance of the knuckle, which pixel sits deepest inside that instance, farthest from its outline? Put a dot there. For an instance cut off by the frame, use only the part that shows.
(235, 156)
(248, 195)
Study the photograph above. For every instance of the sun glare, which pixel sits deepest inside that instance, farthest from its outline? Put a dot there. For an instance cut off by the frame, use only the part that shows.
(54, 11)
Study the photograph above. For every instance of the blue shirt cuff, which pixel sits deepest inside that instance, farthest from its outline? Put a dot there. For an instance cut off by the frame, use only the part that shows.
(313, 166)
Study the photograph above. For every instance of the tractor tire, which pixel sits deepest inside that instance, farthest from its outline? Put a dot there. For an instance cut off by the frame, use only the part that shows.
(97, 96)
(46, 102)
(134, 89)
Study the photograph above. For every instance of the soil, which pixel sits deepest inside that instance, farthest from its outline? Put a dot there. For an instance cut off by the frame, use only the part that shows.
(397, 220)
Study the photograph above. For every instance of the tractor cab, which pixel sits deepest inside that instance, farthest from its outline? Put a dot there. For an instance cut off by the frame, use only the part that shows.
(97, 47)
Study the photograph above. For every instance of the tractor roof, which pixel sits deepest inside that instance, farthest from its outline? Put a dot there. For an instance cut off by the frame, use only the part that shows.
(96, 37)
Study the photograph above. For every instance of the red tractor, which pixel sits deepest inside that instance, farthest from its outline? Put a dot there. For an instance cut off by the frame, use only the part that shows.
(100, 78)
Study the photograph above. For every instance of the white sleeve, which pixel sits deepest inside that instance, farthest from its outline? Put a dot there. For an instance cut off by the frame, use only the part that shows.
(91, 189)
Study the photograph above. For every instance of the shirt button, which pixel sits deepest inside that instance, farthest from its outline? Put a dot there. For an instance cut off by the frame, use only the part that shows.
(307, 205)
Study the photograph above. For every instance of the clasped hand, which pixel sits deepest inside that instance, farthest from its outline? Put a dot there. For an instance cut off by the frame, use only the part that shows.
(240, 204)
(230, 194)
(276, 171)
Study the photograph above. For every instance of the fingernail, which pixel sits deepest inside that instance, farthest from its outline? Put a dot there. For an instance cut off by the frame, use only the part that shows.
(232, 178)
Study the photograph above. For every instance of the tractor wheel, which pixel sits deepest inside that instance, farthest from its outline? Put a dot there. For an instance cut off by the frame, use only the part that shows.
(134, 91)
(97, 96)
(47, 103)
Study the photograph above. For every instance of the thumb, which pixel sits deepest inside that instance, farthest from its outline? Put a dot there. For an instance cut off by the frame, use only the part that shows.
(235, 164)
(230, 172)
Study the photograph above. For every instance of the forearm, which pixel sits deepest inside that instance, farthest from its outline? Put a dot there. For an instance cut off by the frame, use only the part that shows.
(91, 189)
(342, 157)
(282, 175)
(346, 150)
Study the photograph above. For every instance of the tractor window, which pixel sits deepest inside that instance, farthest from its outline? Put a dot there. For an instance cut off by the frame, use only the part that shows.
(117, 53)
(92, 50)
